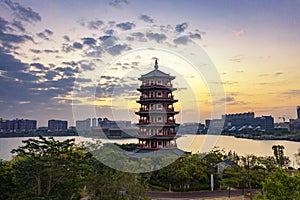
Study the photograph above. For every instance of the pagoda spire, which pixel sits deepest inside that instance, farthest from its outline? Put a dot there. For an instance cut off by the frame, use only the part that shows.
(156, 64)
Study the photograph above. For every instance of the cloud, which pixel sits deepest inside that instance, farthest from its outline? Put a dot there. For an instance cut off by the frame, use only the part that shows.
(195, 35)
(95, 24)
(107, 40)
(12, 38)
(146, 18)
(77, 45)
(126, 26)
(50, 51)
(278, 73)
(18, 25)
(45, 34)
(49, 32)
(181, 27)
(117, 49)
(227, 99)
(8, 38)
(9, 62)
(118, 3)
(109, 31)
(138, 36)
(38, 66)
(67, 38)
(22, 13)
(238, 32)
(292, 92)
(88, 41)
(182, 40)
(158, 37)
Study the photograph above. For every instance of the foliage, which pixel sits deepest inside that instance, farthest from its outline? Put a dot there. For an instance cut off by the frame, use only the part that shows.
(281, 160)
(279, 186)
(49, 168)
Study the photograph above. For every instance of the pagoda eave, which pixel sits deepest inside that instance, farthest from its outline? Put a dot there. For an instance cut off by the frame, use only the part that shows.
(157, 100)
(156, 87)
(157, 125)
(156, 112)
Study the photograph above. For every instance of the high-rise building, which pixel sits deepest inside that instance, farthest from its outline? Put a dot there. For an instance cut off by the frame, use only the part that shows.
(298, 112)
(57, 125)
(94, 122)
(83, 125)
(17, 125)
(157, 126)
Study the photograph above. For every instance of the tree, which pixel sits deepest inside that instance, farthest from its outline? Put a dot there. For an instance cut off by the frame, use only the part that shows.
(7, 180)
(281, 160)
(280, 186)
(50, 168)
(297, 155)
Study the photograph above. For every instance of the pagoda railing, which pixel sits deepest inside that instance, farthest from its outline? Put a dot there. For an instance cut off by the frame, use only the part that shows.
(142, 121)
(158, 97)
(156, 84)
(163, 109)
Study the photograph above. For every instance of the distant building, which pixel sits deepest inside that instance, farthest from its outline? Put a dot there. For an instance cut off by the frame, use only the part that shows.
(106, 123)
(294, 125)
(264, 122)
(247, 120)
(83, 125)
(298, 112)
(57, 125)
(191, 128)
(214, 126)
(94, 122)
(17, 125)
(238, 120)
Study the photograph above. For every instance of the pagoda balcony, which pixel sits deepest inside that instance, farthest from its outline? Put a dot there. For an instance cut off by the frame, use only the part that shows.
(170, 121)
(147, 111)
(156, 98)
(156, 86)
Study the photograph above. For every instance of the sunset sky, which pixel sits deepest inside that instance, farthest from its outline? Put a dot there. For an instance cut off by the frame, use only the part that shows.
(77, 59)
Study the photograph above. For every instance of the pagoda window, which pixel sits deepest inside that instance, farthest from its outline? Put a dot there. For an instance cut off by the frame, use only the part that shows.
(159, 119)
(151, 106)
(151, 82)
(159, 94)
(159, 82)
(159, 107)
(151, 94)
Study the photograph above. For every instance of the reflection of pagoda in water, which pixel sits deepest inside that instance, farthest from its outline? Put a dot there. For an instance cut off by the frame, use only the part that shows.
(157, 126)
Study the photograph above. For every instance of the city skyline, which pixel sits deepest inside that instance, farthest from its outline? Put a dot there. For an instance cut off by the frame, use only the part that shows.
(52, 50)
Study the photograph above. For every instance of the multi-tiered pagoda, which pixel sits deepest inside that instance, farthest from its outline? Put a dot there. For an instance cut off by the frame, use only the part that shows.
(157, 126)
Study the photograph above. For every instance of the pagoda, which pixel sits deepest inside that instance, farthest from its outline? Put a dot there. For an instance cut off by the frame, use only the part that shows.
(157, 126)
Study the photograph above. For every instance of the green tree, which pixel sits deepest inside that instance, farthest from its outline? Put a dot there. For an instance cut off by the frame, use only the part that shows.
(281, 160)
(50, 168)
(297, 155)
(280, 186)
(7, 180)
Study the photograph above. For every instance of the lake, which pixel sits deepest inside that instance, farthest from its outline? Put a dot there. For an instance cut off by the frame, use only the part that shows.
(191, 143)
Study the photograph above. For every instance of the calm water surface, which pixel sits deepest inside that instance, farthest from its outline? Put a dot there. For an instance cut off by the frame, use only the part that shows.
(192, 143)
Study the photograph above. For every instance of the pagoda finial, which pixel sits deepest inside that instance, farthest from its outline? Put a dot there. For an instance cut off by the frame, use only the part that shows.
(156, 64)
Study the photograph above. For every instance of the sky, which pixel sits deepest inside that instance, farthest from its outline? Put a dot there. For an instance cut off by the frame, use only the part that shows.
(76, 59)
